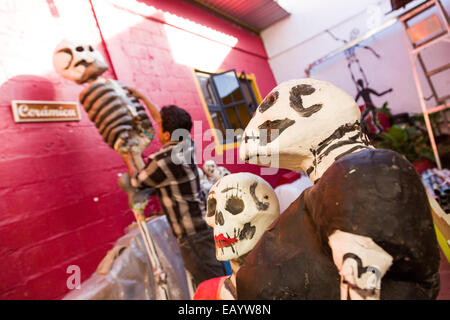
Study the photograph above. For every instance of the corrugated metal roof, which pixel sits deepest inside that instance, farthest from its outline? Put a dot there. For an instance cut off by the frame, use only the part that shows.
(254, 14)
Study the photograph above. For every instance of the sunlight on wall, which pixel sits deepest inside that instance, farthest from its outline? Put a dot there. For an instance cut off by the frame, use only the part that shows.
(125, 15)
(195, 45)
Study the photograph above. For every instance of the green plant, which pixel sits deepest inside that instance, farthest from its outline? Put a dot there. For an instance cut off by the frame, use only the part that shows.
(385, 109)
(407, 140)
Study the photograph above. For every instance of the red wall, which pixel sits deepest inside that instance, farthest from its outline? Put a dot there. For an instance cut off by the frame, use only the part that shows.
(59, 200)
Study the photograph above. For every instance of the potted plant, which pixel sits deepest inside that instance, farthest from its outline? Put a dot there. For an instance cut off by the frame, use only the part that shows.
(411, 142)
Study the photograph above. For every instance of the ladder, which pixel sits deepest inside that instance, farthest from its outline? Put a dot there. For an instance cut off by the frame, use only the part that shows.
(418, 40)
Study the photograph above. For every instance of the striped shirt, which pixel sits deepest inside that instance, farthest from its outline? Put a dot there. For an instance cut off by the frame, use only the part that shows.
(172, 171)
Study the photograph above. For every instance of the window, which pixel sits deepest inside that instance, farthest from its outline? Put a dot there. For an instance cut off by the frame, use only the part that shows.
(230, 100)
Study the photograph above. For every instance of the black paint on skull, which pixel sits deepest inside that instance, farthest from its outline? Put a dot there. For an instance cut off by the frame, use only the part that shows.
(268, 101)
(229, 189)
(219, 219)
(234, 205)
(338, 134)
(211, 207)
(262, 206)
(247, 232)
(335, 141)
(296, 101)
(273, 129)
(69, 52)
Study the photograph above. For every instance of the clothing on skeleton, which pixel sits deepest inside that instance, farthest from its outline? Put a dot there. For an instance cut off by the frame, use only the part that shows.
(373, 193)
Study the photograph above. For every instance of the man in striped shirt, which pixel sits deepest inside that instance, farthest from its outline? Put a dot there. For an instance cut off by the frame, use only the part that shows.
(173, 173)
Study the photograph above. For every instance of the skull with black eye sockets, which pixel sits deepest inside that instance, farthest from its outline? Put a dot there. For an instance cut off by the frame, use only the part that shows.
(297, 116)
(78, 61)
(240, 207)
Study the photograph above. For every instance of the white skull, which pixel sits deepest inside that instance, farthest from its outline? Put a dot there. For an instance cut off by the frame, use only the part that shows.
(240, 207)
(305, 112)
(214, 172)
(78, 61)
(209, 167)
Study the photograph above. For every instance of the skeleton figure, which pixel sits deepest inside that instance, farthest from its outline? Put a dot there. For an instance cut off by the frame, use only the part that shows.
(240, 207)
(119, 117)
(122, 122)
(351, 57)
(363, 230)
(214, 172)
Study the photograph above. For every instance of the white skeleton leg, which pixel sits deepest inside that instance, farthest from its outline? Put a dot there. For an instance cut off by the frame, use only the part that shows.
(361, 264)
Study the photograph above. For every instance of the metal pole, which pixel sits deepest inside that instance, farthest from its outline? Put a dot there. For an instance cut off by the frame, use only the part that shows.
(138, 201)
(158, 272)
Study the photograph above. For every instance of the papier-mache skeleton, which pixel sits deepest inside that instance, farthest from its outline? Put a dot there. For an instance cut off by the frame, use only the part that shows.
(213, 171)
(118, 116)
(240, 207)
(210, 174)
(122, 122)
(364, 230)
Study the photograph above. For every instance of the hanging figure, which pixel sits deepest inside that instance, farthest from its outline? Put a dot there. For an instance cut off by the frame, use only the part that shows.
(352, 58)
(364, 230)
(369, 116)
(119, 117)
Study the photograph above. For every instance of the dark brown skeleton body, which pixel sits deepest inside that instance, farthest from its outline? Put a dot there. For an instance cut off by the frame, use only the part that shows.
(373, 193)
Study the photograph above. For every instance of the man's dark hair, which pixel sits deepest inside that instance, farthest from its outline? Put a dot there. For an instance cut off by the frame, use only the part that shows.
(173, 117)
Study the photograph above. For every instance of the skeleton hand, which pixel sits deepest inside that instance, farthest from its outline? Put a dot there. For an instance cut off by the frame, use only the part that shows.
(135, 93)
(136, 144)
(136, 196)
(361, 264)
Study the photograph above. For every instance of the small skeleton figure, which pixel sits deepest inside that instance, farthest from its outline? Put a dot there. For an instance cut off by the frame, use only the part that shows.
(118, 116)
(369, 108)
(213, 171)
(364, 230)
(240, 207)
(204, 181)
(351, 56)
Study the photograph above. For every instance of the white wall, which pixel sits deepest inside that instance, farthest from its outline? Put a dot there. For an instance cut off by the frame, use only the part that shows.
(295, 42)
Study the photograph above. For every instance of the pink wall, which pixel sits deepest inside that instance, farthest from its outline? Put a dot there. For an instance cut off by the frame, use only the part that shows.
(60, 204)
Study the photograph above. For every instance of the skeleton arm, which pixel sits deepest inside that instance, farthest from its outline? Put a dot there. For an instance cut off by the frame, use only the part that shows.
(335, 38)
(132, 156)
(371, 50)
(152, 108)
(361, 264)
(382, 93)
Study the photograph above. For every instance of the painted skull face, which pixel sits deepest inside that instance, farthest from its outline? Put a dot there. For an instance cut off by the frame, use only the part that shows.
(240, 207)
(209, 166)
(78, 62)
(214, 172)
(293, 119)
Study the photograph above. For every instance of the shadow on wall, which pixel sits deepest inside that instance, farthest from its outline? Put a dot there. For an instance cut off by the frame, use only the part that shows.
(26, 87)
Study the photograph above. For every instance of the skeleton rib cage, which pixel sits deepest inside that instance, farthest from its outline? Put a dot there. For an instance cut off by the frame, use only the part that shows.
(115, 114)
